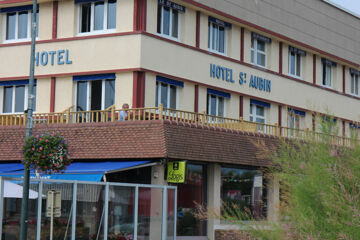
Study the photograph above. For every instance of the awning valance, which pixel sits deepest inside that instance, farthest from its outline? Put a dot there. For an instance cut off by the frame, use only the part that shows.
(218, 93)
(169, 81)
(16, 82)
(259, 103)
(81, 171)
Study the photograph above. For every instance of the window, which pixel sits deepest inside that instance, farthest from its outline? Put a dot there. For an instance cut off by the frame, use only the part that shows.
(242, 188)
(166, 92)
(258, 49)
(295, 64)
(15, 98)
(168, 18)
(295, 117)
(327, 72)
(216, 105)
(97, 16)
(217, 35)
(95, 94)
(166, 95)
(257, 113)
(355, 84)
(189, 194)
(18, 23)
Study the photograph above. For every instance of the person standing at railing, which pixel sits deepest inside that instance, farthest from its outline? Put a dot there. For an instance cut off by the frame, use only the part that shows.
(124, 112)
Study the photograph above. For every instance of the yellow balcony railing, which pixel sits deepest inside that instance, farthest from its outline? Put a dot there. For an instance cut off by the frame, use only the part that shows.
(156, 113)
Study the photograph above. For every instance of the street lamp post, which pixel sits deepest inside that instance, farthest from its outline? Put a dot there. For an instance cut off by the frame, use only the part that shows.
(29, 126)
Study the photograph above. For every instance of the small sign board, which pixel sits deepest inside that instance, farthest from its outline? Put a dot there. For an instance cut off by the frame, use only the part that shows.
(53, 203)
(258, 181)
(176, 172)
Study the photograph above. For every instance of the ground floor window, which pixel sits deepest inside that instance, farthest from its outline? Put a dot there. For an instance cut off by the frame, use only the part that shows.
(191, 193)
(242, 193)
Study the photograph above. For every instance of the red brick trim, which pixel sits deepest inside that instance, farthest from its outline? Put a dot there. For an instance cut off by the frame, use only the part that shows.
(314, 69)
(280, 57)
(55, 20)
(197, 33)
(140, 15)
(241, 107)
(242, 44)
(52, 94)
(343, 128)
(138, 89)
(280, 115)
(344, 79)
(313, 122)
(196, 99)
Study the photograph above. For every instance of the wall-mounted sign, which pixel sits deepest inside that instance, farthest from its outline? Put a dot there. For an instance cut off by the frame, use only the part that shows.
(227, 74)
(59, 57)
(176, 172)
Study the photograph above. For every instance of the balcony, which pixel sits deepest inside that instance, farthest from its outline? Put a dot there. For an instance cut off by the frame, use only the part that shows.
(160, 113)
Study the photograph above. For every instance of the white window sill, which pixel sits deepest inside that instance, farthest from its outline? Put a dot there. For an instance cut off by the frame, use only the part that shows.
(355, 95)
(169, 37)
(260, 66)
(99, 32)
(18, 40)
(327, 86)
(295, 76)
(217, 52)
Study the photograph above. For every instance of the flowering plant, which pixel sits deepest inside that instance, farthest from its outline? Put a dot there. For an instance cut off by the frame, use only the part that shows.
(47, 153)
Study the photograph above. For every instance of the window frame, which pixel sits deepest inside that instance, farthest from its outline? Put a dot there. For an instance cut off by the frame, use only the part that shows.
(28, 27)
(253, 114)
(210, 38)
(208, 105)
(13, 98)
(255, 50)
(161, 33)
(158, 94)
(353, 90)
(92, 20)
(325, 76)
(296, 55)
(88, 93)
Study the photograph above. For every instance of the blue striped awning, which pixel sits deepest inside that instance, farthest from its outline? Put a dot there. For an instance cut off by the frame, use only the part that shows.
(81, 171)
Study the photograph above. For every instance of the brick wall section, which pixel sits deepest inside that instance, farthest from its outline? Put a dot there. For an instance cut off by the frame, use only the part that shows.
(122, 140)
(149, 140)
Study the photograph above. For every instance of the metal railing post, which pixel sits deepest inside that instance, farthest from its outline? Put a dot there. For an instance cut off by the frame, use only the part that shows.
(136, 211)
(1, 204)
(106, 210)
(73, 220)
(164, 214)
(38, 224)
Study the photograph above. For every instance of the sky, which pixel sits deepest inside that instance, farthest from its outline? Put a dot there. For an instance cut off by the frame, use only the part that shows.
(351, 5)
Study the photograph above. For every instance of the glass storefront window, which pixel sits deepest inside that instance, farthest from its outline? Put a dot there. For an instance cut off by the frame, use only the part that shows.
(242, 193)
(191, 193)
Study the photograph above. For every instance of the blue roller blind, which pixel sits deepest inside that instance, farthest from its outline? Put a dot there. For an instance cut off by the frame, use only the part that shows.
(353, 125)
(259, 103)
(16, 82)
(94, 77)
(297, 112)
(218, 93)
(86, 1)
(219, 22)
(354, 71)
(169, 81)
(260, 37)
(328, 62)
(172, 5)
(297, 51)
(17, 9)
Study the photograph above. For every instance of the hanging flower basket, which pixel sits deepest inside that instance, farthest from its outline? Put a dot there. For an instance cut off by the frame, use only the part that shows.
(48, 153)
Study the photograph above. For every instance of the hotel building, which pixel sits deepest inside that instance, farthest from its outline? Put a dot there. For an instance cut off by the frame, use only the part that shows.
(212, 83)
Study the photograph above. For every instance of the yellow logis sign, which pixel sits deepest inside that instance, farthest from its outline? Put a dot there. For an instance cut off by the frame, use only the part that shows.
(176, 172)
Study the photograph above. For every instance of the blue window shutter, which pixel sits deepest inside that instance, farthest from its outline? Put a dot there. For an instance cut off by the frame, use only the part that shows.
(260, 37)
(16, 82)
(17, 9)
(169, 81)
(297, 112)
(220, 22)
